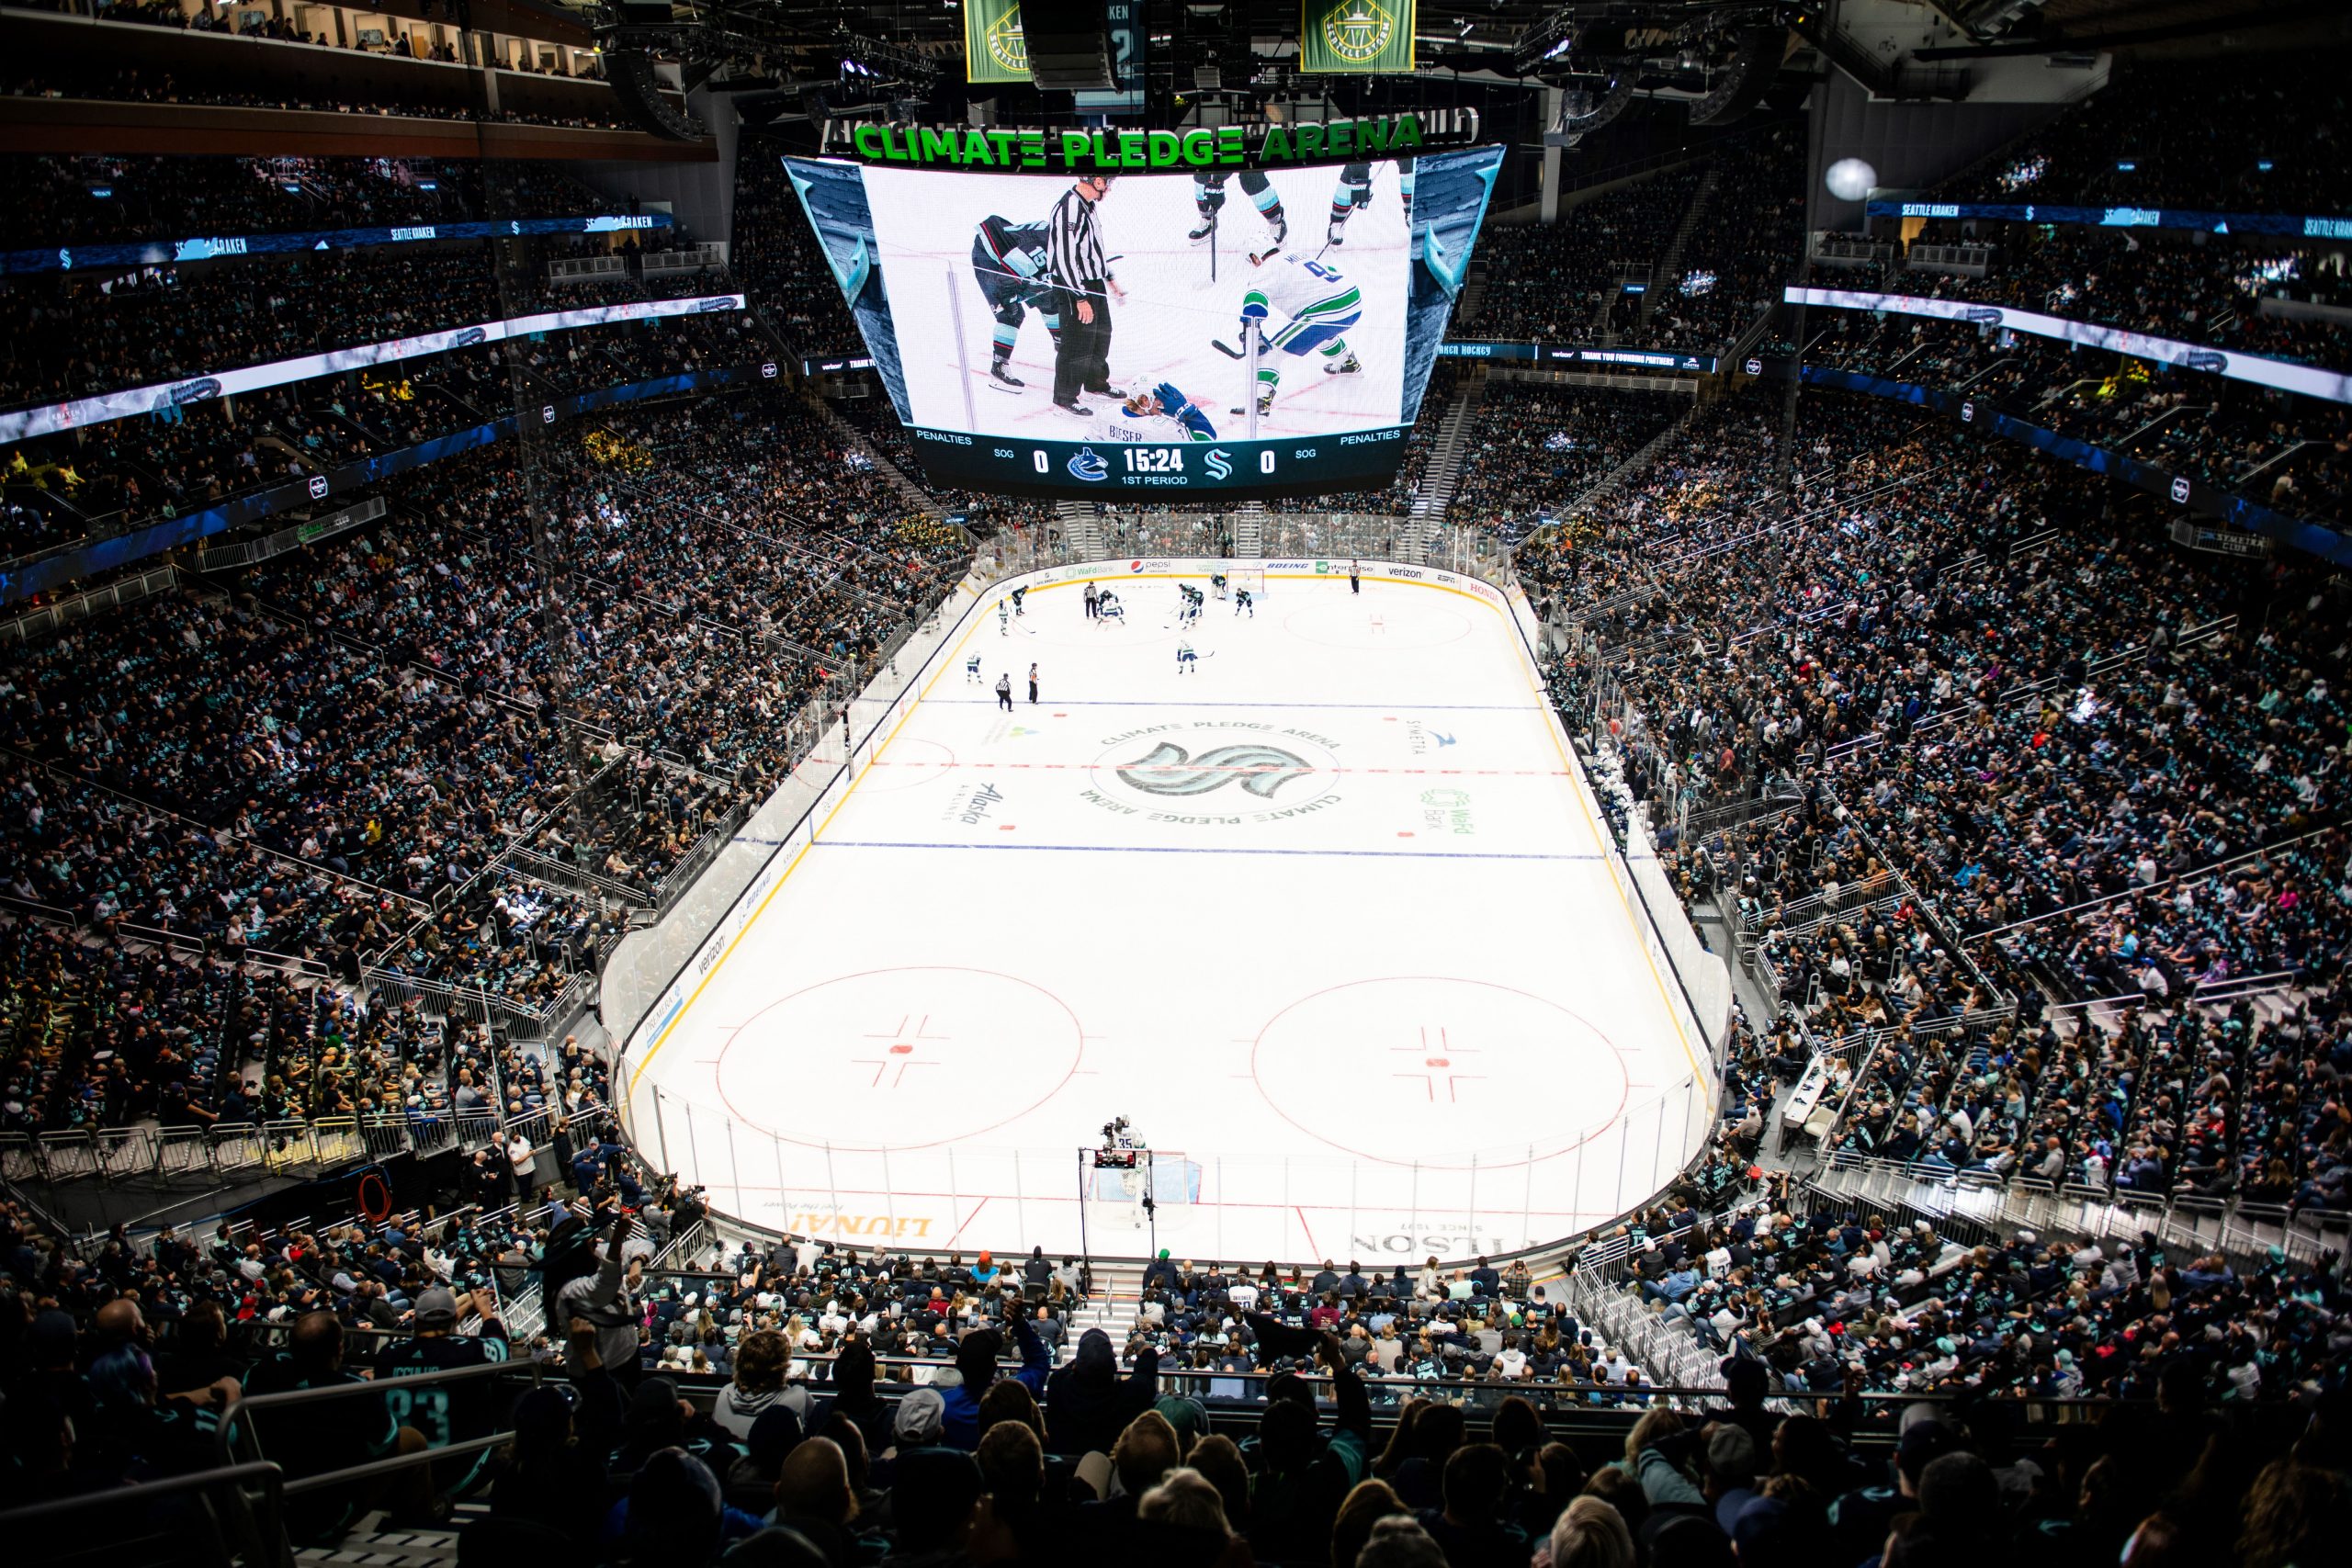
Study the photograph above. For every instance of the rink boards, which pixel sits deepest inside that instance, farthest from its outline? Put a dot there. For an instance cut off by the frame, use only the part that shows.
(1333, 914)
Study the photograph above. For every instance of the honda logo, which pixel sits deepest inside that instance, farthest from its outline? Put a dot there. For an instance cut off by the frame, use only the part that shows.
(2181, 489)
(318, 486)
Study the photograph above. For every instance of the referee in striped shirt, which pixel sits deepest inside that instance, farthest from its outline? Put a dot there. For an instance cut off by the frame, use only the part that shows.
(1075, 267)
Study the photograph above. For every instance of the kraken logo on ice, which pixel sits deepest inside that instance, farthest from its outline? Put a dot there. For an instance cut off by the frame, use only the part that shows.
(1167, 770)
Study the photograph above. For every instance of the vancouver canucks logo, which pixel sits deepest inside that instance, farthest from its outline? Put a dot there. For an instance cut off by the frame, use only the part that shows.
(1007, 45)
(1357, 31)
(1087, 466)
(1262, 769)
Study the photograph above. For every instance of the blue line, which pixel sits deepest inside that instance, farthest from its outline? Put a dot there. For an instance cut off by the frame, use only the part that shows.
(1201, 850)
(1387, 707)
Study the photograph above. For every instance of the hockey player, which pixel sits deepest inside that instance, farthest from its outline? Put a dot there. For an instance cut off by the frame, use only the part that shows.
(1216, 583)
(1301, 307)
(1018, 595)
(1167, 401)
(1241, 600)
(1354, 190)
(1187, 661)
(1108, 608)
(1208, 196)
(1003, 618)
(972, 670)
(1008, 260)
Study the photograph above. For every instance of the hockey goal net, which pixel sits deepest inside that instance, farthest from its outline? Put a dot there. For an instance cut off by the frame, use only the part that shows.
(1115, 1194)
(1253, 578)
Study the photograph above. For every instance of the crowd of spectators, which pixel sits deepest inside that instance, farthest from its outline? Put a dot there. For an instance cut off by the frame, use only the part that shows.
(799, 1402)
(2267, 135)
(2014, 751)
(77, 335)
(1533, 451)
(2292, 454)
(1746, 245)
(166, 198)
(777, 255)
(1558, 282)
(297, 760)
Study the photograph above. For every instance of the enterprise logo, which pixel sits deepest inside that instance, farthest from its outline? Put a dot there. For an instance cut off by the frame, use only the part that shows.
(1086, 466)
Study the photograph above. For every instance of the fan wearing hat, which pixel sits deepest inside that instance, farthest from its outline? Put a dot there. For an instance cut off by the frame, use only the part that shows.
(447, 1412)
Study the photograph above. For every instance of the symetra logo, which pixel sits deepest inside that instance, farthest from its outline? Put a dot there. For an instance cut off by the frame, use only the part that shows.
(1217, 464)
(2206, 359)
(1983, 315)
(196, 391)
(1088, 466)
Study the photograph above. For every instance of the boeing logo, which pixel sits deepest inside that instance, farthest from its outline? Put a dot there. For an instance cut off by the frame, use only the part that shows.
(1215, 461)
(1086, 466)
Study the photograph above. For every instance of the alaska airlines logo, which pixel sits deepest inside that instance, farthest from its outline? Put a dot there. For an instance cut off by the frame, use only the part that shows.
(1983, 315)
(1087, 466)
(1262, 769)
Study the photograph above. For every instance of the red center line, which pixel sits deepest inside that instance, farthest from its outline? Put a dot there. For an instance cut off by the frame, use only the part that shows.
(1188, 772)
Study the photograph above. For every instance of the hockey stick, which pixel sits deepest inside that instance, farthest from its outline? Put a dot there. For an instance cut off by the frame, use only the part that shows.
(1226, 348)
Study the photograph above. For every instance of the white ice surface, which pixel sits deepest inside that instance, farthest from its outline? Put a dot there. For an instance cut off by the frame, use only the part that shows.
(1394, 1005)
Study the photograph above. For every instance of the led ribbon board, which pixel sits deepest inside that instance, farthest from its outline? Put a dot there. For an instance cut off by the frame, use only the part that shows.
(47, 418)
(2283, 375)
(164, 252)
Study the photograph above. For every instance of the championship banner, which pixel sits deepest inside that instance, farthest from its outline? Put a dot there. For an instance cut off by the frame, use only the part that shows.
(1356, 38)
(994, 49)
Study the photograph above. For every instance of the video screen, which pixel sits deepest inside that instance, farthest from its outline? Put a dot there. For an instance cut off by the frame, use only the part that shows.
(1250, 332)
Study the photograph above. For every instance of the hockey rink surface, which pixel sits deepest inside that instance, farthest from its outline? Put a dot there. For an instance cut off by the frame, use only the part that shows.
(1329, 918)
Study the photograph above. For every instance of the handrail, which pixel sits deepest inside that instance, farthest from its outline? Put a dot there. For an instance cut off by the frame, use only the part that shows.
(269, 1542)
(225, 1433)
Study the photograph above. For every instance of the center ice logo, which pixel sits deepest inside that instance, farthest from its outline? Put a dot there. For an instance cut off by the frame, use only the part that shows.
(1167, 770)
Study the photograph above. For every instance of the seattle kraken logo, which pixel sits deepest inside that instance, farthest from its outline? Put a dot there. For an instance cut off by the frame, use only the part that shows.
(1262, 769)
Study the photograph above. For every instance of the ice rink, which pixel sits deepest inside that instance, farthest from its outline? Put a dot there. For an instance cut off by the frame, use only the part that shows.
(1330, 917)
(924, 224)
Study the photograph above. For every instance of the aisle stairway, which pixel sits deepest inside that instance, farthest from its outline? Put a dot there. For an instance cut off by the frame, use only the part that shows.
(1669, 265)
(916, 496)
(1249, 530)
(1443, 475)
(1082, 523)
